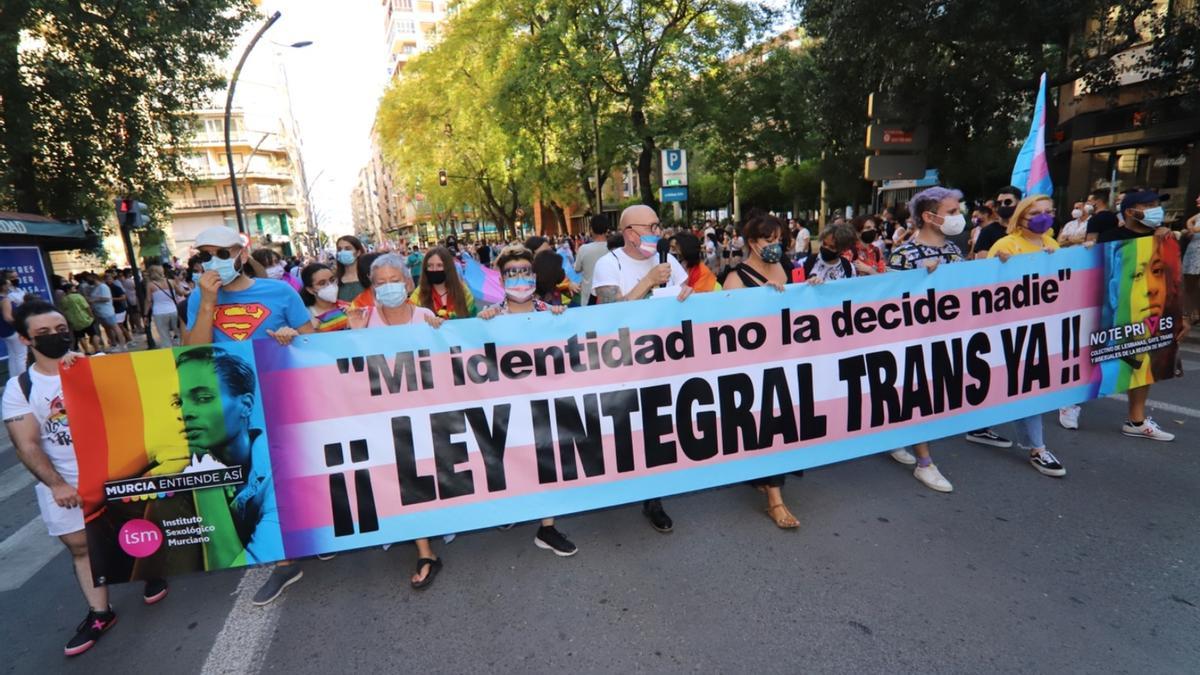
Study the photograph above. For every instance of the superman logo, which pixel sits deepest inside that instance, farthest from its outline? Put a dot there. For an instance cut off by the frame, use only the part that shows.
(240, 321)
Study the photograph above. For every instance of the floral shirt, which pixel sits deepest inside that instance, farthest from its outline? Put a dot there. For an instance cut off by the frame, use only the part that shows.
(913, 254)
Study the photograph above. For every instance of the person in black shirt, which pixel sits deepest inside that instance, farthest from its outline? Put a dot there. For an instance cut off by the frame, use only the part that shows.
(989, 234)
(1102, 220)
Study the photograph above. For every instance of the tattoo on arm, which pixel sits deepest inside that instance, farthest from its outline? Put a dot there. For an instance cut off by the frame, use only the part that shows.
(607, 294)
(18, 418)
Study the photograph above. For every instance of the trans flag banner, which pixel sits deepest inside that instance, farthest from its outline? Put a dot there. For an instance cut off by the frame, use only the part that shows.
(213, 457)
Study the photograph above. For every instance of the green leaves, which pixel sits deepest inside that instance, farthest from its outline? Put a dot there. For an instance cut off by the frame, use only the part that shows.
(95, 94)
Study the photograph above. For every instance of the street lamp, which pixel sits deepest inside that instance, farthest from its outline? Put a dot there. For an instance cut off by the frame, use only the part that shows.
(237, 198)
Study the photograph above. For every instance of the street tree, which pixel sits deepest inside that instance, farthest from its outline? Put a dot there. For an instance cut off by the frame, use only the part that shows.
(94, 96)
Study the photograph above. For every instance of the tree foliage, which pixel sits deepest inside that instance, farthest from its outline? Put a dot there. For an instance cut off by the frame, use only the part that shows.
(92, 96)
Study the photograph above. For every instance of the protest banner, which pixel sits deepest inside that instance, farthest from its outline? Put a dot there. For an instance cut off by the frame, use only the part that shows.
(204, 458)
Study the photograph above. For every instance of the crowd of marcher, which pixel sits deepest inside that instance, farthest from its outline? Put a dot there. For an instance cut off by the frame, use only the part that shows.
(354, 288)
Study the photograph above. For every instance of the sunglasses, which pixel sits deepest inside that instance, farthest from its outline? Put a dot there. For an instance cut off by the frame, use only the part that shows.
(1006, 202)
(518, 272)
(222, 253)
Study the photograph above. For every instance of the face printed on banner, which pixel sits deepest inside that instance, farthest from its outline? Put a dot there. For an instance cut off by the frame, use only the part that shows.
(215, 417)
(1149, 288)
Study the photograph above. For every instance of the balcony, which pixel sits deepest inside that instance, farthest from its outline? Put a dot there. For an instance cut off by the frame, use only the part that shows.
(181, 205)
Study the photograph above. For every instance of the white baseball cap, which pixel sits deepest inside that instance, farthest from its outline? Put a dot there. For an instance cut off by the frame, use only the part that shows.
(219, 236)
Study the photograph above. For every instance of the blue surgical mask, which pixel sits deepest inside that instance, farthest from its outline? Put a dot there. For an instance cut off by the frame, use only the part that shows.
(195, 277)
(391, 295)
(223, 267)
(1152, 217)
(345, 257)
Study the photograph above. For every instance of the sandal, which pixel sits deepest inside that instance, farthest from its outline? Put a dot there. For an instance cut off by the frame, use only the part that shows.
(435, 566)
(782, 517)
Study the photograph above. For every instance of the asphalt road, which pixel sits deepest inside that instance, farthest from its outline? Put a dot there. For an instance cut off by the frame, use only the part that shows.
(1013, 572)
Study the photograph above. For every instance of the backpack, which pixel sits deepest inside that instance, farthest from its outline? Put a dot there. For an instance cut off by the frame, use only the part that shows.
(26, 383)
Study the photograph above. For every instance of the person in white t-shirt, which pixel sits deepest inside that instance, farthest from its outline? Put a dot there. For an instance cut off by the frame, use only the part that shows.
(632, 272)
(37, 424)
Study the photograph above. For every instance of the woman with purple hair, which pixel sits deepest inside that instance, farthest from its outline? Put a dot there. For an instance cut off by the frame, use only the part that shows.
(937, 213)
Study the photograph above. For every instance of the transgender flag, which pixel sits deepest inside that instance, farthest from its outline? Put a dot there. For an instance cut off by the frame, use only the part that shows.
(484, 282)
(1031, 173)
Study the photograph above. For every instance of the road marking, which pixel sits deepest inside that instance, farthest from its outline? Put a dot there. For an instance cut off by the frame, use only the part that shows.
(13, 480)
(242, 644)
(1189, 348)
(1163, 406)
(25, 552)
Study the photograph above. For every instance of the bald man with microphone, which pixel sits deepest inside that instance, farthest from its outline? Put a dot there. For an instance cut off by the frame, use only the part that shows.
(633, 272)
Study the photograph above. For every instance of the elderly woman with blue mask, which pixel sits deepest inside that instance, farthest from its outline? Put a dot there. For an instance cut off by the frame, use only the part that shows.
(390, 282)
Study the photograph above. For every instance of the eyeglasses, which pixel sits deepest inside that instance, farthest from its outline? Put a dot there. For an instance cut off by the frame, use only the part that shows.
(222, 253)
(650, 227)
(518, 272)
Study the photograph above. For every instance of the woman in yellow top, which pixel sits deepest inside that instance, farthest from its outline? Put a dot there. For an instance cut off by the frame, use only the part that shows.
(1030, 230)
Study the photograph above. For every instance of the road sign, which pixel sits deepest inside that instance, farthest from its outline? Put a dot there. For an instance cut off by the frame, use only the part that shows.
(897, 137)
(894, 167)
(674, 167)
(674, 194)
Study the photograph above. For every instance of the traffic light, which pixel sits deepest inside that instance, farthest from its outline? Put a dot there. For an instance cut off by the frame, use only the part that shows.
(443, 179)
(131, 213)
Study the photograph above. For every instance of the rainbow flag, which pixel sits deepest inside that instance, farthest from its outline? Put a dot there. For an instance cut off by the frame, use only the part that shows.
(334, 319)
(1031, 173)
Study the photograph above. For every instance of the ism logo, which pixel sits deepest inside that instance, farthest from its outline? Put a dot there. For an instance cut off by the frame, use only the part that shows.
(140, 538)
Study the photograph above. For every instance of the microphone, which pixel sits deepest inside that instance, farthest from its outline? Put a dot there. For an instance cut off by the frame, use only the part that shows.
(664, 247)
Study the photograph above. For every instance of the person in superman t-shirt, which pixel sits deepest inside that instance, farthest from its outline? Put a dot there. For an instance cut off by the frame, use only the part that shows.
(234, 307)
(231, 306)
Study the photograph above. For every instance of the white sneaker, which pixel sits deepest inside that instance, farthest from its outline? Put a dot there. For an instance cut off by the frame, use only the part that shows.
(903, 456)
(1068, 417)
(1147, 429)
(932, 478)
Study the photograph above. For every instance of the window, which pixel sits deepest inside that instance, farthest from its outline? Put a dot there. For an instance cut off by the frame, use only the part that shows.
(402, 5)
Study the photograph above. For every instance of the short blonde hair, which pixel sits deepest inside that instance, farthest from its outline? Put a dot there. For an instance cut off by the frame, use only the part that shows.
(1014, 223)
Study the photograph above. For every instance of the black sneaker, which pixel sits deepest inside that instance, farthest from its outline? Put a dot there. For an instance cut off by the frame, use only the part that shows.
(549, 538)
(281, 577)
(89, 631)
(1045, 462)
(659, 520)
(989, 437)
(156, 589)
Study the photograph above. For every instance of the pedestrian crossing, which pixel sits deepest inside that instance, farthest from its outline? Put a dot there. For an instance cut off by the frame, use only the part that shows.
(25, 552)
(13, 480)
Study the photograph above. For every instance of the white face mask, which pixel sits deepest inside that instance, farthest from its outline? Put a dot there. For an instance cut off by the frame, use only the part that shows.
(328, 293)
(1077, 214)
(275, 272)
(1089, 209)
(954, 224)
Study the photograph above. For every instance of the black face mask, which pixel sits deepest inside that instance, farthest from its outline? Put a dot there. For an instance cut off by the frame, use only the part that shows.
(1006, 211)
(435, 278)
(828, 254)
(868, 236)
(54, 345)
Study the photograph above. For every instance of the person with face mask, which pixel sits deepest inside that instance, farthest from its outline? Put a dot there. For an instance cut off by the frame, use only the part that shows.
(1100, 218)
(232, 307)
(762, 268)
(631, 273)
(866, 257)
(938, 214)
(319, 294)
(1074, 231)
(441, 289)
(392, 307)
(515, 264)
(1030, 232)
(990, 233)
(829, 262)
(38, 426)
(348, 250)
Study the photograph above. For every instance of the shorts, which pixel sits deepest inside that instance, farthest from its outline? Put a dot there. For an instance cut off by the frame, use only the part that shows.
(59, 521)
(107, 319)
(90, 331)
(120, 317)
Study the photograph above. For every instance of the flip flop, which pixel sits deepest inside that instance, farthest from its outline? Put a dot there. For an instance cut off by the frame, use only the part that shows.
(435, 566)
(781, 520)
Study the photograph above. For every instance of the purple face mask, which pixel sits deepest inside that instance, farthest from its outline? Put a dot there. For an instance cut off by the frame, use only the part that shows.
(1041, 223)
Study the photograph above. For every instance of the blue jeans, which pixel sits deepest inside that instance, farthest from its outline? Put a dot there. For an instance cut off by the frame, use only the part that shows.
(1029, 432)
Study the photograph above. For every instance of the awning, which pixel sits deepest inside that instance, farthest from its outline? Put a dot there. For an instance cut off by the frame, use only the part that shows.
(31, 225)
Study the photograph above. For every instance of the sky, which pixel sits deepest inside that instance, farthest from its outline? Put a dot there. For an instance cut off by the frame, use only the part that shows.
(335, 86)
